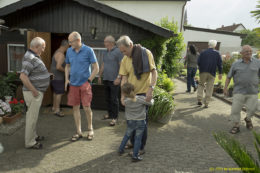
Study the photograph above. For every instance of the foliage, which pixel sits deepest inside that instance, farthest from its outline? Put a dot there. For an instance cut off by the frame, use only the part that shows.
(164, 82)
(238, 152)
(16, 106)
(174, 46)
(4, 108)
(252, 38)
(7, 84)
(163, 104)
(227, 65)
(256, 13)
(156, 45)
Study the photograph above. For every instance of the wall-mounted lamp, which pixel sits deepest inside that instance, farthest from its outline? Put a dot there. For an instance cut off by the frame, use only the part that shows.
(93, 32)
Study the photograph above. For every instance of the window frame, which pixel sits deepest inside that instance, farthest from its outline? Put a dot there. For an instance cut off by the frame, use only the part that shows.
(8, 54)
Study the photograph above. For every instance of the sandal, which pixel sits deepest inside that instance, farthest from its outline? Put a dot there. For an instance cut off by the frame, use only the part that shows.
(234, 130)
(59, 114)
(249, 124)
(36, 146)
(113, 122)
(39, 138)
(76, 137)
(106, 117)
(90, 135)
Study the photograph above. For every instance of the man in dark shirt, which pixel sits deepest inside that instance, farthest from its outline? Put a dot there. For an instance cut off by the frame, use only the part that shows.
(208, 62)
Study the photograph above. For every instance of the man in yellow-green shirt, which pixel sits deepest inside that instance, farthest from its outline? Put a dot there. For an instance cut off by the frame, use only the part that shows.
(137, 68)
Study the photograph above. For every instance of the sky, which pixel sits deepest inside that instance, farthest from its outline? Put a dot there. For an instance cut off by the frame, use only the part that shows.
(213, 14)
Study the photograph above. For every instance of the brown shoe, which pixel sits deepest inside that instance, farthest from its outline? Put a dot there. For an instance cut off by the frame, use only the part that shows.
(249, 124)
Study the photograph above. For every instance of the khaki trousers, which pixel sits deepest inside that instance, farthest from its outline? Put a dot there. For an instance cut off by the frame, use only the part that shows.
(208, 80)
(33, 106)
(239, 100)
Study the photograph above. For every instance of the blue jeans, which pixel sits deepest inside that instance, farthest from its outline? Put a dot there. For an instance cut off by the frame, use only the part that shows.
(191, 72)
(133, 125)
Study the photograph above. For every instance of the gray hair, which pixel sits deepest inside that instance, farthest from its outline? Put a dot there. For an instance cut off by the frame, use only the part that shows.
(125, 41)
(111, 39)
(64, 43)
(37, 41)
(212, 43)
(75, 35)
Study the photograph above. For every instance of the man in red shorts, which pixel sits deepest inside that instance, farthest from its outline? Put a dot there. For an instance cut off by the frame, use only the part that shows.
(78, 75)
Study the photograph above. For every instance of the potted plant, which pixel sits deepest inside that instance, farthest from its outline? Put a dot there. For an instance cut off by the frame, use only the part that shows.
(17, 107)
(8, 85)
(163, 107)
(4, 109)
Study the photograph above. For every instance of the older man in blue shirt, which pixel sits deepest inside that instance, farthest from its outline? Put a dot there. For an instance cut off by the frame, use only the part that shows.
(78, 75)
(245, 73)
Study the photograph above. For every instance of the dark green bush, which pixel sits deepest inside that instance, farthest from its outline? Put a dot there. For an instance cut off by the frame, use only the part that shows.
(163, 104)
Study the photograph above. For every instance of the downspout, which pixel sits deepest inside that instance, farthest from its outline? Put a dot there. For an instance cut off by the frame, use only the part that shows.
(182, 16)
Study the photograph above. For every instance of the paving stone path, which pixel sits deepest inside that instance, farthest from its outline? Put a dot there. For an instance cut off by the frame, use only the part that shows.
(184, 145)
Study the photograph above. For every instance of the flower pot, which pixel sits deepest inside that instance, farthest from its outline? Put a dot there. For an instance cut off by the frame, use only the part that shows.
(8, 99)
(167, 118)
(10, 119)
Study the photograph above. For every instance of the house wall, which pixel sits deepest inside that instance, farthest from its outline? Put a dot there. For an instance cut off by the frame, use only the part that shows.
(152, 11)
(239, 28)
(228, 43)
(6, 2)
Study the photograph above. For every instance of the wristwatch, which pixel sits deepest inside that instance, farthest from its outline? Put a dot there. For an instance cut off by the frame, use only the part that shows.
(152, 87)
(119, 77)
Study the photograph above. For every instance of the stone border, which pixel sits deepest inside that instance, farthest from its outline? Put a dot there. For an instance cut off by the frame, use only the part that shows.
(222, 98)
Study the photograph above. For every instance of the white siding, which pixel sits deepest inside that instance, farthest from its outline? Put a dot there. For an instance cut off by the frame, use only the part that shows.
(228, 43)
(152, 11)
(6, 2)
(239, 28)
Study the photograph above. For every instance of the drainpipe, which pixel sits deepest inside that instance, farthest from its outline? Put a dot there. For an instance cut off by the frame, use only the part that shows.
(182, 16)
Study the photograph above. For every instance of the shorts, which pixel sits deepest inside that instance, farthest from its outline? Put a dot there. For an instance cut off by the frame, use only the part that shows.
(79, 94)
(58, 86)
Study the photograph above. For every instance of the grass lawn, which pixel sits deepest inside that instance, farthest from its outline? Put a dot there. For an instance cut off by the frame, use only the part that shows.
(224, 76)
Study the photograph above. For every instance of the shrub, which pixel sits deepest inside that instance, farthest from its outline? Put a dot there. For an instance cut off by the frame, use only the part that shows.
(164, 82)
(174, 47)
(163, 104)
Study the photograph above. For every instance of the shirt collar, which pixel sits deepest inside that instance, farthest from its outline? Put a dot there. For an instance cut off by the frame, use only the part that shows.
(249, 60)
(34, 53)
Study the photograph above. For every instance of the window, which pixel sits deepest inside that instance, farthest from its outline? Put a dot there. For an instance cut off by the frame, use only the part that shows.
(99, 52)
(15, 54)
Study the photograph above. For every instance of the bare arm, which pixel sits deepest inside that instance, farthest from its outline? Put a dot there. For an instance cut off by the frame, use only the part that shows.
(67, 72)
(124, 80)
(226, 85)
(100, 73)
(27, 83)
(95, 70)
(149, 93)
(59, 58)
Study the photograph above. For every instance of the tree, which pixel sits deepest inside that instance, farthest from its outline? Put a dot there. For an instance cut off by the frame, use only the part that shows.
(252, 38)
(256, 13)
(174, 46)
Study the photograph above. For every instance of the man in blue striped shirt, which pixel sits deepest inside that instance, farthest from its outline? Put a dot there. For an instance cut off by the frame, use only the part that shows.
(35, 78)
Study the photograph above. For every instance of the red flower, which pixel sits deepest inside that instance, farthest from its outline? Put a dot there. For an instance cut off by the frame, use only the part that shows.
(11, 102)
(15, 101)
(21, 101)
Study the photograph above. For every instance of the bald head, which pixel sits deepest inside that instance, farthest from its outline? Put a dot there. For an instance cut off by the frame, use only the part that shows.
(75, 35)
(246, 52)
(109, 42)
(75, 40)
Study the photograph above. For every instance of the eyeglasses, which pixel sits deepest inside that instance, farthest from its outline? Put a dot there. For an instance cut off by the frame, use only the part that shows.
(71, 41)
